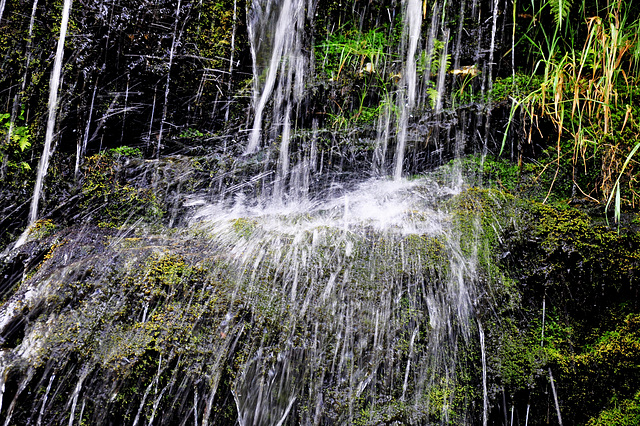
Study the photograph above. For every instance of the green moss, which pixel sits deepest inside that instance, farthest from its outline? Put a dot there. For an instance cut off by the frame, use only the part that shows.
(624, 413)
(42, 229)
(116, 201)
(125, 151)
(244, 227)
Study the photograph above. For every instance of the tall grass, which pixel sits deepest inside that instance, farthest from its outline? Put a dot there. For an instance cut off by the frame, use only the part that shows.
(590, 72)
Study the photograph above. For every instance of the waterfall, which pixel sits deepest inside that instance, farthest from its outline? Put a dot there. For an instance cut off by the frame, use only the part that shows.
(275, 31)
(314, 268)
(54, 87)
(172, 50)
(485, 400)
(407, 98)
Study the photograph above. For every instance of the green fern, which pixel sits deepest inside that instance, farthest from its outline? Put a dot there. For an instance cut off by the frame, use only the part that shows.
(560, 9)
(438, 62)
(433, 97)
(21, 137)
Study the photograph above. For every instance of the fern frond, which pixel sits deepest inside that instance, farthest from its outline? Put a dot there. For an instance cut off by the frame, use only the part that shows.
(560, 9)
(433, 96)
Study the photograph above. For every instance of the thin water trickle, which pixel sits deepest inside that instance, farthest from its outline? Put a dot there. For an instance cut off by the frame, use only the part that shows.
(231, 58)
(76, 393)
(442, 71)
(167, 86)
(407, 98)
(3, 381)
(45, 398)
(82, 149)
(54, 88)
(485, 398)
(555, 397)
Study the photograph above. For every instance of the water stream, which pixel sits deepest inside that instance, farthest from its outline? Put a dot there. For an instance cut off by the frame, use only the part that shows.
(54, 88)
(307, 277)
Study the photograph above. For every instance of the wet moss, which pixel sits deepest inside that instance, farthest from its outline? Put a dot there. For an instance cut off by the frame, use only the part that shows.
(114, 200)
(530, 253)
(625, 412)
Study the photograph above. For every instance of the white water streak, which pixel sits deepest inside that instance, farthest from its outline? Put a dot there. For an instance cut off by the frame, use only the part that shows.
(286, 413)
(44, 400)
(168, 83)
(154, 383)
(413, 22)
(440, 87)
(54, 87)
(85, 140)
(21, 387)
(494, 28)
(485, 398)
(3, 381)
(282, 36)
(231, 59)
(555, 397)
(76, 393)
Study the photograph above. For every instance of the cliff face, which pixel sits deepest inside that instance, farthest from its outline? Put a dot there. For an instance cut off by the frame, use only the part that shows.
(287, 212)
(308, 85)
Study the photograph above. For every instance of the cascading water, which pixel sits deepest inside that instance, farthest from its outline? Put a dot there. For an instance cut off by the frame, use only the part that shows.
(275, 32)
(407, 99)
(304, 286)
(172, 50)
(366, 296)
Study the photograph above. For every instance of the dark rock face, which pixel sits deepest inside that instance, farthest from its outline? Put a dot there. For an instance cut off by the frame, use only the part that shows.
(166, 79)
(175, 278)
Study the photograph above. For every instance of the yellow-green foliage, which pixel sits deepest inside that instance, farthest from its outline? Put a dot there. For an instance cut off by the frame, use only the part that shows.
(568, 232)
(624, 413)
(42, 228)
(170, 307)
(213, 31)
(14, 150)
(244, 227)
(116, 200)
(615, 353)
(347, 51)
(590, 96)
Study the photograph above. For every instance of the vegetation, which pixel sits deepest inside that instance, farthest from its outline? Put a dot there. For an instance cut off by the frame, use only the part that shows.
(588, 74)
(149, 318)
(113, 200)
(16, 139)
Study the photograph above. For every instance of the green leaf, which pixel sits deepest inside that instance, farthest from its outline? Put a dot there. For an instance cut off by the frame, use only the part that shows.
(560, 9)
(616, 187)
(21, 137)
(433, 96)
